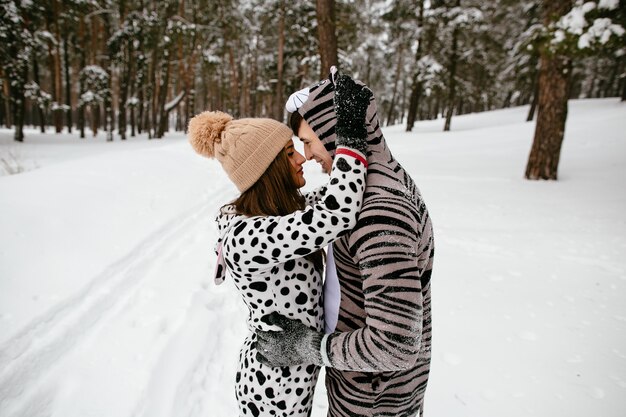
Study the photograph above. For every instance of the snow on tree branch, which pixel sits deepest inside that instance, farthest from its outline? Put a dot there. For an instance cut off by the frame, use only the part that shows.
(169, 106)
(585, 26)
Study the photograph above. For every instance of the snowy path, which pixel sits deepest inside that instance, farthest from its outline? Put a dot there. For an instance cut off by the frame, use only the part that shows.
(123, 292)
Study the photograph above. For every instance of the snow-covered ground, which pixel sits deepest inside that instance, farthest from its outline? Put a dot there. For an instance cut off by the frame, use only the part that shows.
(107, 306)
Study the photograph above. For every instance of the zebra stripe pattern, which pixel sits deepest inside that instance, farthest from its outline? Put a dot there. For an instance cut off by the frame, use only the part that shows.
(381, 351)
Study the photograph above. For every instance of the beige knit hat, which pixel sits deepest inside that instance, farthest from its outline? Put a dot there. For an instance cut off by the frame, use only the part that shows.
(244, 147)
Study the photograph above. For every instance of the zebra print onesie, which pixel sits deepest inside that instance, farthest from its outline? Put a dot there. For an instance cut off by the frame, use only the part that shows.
(381, 350)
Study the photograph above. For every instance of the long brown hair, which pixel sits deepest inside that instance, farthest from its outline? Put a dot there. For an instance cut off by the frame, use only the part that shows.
(276, 193)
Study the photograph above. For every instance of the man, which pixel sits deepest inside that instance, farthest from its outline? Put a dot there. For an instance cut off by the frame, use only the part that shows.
(378, 357)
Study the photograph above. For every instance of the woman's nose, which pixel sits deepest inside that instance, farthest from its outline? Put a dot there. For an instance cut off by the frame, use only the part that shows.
(300, 159)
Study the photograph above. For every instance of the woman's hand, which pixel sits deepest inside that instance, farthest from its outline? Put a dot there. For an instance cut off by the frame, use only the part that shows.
(296, 344)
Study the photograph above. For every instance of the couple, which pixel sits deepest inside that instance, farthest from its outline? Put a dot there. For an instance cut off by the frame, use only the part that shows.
(370, 214)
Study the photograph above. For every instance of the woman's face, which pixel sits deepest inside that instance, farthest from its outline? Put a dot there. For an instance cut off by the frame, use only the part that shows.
(314, 148)
(296, 160)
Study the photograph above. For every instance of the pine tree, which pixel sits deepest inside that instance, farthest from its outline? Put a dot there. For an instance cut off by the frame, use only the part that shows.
(16, 43)
(562, 39)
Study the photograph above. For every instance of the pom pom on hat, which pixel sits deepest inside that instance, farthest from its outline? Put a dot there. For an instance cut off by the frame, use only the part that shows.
(244, 147)
(205, 130)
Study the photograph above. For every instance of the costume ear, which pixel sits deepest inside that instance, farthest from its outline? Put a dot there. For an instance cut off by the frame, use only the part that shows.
(296, 100)
(220, 265)
(334, 74)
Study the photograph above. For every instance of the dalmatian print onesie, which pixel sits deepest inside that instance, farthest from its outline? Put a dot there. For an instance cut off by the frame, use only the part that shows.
(265, 257)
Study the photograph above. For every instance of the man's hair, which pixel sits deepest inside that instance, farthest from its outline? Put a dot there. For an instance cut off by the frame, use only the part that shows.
(294, 122)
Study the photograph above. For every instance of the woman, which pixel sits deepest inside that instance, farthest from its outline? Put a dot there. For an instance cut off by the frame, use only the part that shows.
(270, 239)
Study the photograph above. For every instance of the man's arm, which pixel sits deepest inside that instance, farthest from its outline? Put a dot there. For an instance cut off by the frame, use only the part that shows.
(395, 258)
(385, 245)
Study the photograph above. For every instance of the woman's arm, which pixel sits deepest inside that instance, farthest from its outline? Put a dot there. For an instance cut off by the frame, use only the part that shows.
(270, 240)
(314, 196)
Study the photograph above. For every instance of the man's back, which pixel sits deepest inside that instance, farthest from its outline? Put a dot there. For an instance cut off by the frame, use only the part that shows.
(384, 267)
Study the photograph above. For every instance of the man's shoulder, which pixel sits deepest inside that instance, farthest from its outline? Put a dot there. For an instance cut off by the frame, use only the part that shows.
(397, 201)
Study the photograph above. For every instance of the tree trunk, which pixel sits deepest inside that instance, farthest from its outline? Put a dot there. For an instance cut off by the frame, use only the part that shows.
(414, 98)
(254, 101)
(181, 78)
(554, 74)
(56, 71)
(189, 108)
(394, 98)
(179, 121)
(139, 87)
(452, 79)
(95, 111)
(18, 115)
(8, 121)
(609, 85)
(220, 85)
(109, 112)
(280, 102)
(404, 89)
(234, 82)
(416, 86)
(19, 104)
(108, 116)
(42, 116)
(507, 101)
(622, 84)
(123, 89)
(163, 124)
(590, 93)
(327, 36)
(2, 110)
(162, 115)
(533, 105)
(133, 74)
(83, 63)
(68, 82)
(151, 90)
(451, 82)
(56, 120)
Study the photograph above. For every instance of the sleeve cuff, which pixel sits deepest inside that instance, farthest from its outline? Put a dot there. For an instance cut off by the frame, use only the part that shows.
(353, 153)
(324, 352)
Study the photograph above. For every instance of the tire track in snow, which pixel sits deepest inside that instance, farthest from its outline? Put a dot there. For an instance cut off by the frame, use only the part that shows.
(179, 384)
(30, 354)
(212, 325)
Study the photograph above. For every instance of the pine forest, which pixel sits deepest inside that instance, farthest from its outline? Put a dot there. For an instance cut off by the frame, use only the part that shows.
(132, 66)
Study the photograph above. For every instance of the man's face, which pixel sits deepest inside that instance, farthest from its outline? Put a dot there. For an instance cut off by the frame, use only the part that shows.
(313, 147)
